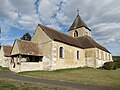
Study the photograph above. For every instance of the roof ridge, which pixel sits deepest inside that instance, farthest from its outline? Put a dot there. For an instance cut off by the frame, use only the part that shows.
(26, 41)
(64, 36)
(57, 31)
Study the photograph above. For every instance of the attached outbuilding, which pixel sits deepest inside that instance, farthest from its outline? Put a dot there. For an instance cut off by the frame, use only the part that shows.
(5, 58)
(25, 56)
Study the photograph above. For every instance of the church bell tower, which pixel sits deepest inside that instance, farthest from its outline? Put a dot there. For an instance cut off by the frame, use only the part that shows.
(79, 28)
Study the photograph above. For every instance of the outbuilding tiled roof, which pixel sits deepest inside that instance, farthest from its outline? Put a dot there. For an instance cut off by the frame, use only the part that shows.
(28, 48)
(88, 42)
(58, 36)
(78, 22)
(7, 50)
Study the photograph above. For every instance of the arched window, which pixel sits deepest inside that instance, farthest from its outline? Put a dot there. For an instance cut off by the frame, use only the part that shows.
(61, 52)
(75, 34)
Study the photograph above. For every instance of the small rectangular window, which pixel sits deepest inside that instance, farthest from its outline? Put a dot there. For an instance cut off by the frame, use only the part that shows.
(78, 55)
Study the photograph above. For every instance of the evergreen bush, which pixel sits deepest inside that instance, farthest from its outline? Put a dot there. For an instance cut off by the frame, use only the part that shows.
(109, 66)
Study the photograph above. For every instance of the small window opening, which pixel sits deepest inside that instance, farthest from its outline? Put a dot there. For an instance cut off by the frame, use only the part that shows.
(75, 34)
(61, 52)
(78, 55)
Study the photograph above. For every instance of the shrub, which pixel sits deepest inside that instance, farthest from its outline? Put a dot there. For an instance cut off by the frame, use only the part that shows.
(117, 64)
(116, 59)
(109, 66)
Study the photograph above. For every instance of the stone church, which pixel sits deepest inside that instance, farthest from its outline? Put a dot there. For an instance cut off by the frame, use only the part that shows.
(51, 50)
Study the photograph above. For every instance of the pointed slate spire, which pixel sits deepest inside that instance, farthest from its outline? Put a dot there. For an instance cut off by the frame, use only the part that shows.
(78, 22)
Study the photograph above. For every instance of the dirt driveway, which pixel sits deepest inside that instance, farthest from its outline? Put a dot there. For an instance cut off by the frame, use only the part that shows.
(11, 75)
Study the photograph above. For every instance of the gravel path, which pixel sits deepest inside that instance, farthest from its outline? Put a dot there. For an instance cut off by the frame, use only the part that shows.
(80, 86)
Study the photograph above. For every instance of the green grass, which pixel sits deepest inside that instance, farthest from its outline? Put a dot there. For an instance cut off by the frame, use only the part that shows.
(82, 75)
(8, 84)
(4, 69)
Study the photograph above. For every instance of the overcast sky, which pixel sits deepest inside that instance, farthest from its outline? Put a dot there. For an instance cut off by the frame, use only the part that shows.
(102, 16)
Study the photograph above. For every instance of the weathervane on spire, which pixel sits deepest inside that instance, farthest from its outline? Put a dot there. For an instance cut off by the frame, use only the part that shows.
(78, 11)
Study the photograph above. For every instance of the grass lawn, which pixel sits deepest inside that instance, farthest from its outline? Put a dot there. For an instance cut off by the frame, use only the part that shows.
(8, 84)
(83, 75)
(4, 69)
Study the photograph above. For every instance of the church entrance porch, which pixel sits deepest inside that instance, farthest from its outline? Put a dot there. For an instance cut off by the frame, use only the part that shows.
(20, 63)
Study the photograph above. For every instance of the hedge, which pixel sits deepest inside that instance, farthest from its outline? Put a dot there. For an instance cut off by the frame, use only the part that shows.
(111, 65)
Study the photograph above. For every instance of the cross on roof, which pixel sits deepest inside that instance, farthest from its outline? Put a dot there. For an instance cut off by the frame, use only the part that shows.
(78, 11)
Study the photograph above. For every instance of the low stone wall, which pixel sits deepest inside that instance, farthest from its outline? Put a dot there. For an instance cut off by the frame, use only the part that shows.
(90, 62)
(4, 62)
(30, 66)
(100, 63)
(26, 66)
